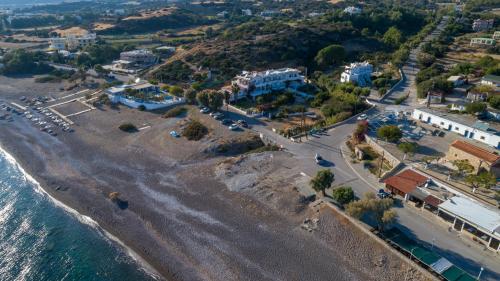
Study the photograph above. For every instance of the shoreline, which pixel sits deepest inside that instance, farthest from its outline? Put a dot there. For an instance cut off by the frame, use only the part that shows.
(142, 263)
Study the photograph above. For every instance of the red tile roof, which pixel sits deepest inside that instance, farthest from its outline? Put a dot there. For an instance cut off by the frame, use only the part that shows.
(433, 201)
(476, 151)
(406, 181)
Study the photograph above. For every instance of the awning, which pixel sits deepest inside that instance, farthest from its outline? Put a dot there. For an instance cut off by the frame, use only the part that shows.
(433, 200)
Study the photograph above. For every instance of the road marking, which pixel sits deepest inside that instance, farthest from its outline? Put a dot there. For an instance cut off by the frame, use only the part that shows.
(144, 128)
(62, 116)
(74, 94)
(78, 113)
(18, 106)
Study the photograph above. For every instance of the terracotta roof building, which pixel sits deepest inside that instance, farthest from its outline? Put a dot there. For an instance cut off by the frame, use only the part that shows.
(405, 182)
(478, 157)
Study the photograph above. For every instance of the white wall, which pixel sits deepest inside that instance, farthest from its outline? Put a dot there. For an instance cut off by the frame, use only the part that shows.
(463, 130)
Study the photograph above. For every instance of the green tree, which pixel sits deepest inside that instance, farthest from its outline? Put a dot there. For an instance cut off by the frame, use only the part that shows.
(202, 98)
(494, 101)
(392, 37)
(333, 54)
(176, 91)
(484, 179)
(359, 133)
(190, 95)
(322, 180)
(380, 210)
(463, 167)
(343, 195)
(390, 133)
(408, 147)
(475, 107)
(215, 99)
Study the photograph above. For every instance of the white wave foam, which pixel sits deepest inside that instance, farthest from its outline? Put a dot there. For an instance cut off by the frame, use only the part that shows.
(82, 218)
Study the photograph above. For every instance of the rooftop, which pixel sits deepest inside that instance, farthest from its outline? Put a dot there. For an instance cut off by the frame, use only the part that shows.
(464, 119)
(491, 78)
(406, 181)
(476, 151)
(474, 212)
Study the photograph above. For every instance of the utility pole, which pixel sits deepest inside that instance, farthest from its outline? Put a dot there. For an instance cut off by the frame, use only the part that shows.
(381, 163)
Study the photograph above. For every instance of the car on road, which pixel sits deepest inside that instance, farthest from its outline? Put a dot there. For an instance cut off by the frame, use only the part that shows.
(319, 160)
(174, 134)
(242, 123)
(217, 115)
(205, 110)
(362, 117)
(226, 122)
(233, 127)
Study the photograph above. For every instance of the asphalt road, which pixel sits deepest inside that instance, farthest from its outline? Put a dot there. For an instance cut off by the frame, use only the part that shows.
(427, 229)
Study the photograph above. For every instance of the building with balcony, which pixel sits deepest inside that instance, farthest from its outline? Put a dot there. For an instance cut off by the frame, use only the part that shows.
(255, 83)
(140, 57)
(144, 94)
(482, 25)
(358, 73)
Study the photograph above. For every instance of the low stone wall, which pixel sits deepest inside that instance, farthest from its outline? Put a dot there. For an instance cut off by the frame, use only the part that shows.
(395, 162)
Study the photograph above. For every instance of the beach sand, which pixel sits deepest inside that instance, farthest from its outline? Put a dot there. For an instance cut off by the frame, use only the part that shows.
(181, 217)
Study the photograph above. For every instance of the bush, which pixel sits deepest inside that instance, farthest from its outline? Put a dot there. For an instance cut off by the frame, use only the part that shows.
(194, 130)
(475, 107)
(174, 112)
(141, 107)
(390, 133)
(128, 127)
(343, 195)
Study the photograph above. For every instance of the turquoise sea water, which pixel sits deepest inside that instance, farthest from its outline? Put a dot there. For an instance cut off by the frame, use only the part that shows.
(42, 241)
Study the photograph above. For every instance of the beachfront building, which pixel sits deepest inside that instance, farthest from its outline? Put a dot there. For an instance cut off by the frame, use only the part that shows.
(142, 94)
(481, 41)
(351, 10)
(474, 219)
(358, 73)
(478, 157)
(491, 80)
(140, 57)
(467, 127)
(255, 83)
(482, 25)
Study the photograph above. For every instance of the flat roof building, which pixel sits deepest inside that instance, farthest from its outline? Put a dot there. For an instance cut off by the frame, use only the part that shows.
(140, 57)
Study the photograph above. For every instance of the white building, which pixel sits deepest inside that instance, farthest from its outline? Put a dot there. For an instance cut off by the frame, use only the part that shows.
(358, 72)
(351, 10)
(491, 80)
(496, 35)
(482, 25)
(481, 41)
(246, 12)
(72, 42)
(457, 80)
(269, 13)
(258, 83)
(467, 127)
(142, 94)
(470, 217)
(140, 57)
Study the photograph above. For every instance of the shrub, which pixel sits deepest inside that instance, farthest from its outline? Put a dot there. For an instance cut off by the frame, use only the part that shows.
(174, 112)
(128, 127)
(343, 195)
(195, 130)
(390, 133)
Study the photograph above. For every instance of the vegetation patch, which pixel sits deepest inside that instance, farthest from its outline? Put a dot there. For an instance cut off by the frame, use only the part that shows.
(175, 112)
(128, 127)
(194, 130)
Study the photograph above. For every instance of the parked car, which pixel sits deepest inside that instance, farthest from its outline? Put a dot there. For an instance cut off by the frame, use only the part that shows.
(219, 116)
(205, 110)
(226, 122)
(174, 134)
(383, 194)
(233, 127)
(242, 123)
(362, 117)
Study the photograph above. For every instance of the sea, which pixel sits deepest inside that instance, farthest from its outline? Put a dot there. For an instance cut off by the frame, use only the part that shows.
(43, 240)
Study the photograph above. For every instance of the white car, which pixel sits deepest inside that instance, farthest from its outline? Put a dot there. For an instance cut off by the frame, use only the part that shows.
(362, 117)
(205, 110)
(233, 127)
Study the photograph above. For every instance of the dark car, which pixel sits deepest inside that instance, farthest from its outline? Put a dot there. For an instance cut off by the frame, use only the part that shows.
(226, 122)
(383, 194)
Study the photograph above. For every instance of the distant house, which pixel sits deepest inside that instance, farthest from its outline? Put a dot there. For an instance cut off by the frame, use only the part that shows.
(457, 80)
(71, 42)
(222, 14)
(246, 12)
(482, 41)
(491, 80)
(358, 73)
(460, 124)
(140, 57)
(255, 83)
(351, 10)
(482, 25)
(479, 158)
(476, 96)
(269, 13)
(496, 35)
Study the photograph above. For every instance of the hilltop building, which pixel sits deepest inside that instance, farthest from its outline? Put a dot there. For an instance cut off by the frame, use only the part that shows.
(140, 57)
(258, 83)
(72, 42)
(482, 25)
(358, 73)
(481, 41)
(491, 80)
(351, 10)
